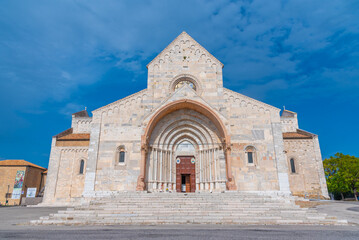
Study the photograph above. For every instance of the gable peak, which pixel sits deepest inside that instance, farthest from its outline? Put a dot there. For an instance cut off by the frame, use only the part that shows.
(182, 42)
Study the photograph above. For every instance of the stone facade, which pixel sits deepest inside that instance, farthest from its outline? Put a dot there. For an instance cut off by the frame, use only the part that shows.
(237, 143)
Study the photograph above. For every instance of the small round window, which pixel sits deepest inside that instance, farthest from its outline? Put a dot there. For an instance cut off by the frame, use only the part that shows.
(182, 82)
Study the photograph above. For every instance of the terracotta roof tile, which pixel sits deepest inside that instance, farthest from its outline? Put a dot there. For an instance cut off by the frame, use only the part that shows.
(297, 135)
(75, 136)
(19, 163)
(82, 113)
(64, 133)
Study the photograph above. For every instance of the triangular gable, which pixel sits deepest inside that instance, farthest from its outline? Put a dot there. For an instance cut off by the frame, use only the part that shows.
(184, 38)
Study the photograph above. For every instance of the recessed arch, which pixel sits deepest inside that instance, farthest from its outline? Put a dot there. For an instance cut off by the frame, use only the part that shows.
(178, 126)
(187, 104)
(191, 132)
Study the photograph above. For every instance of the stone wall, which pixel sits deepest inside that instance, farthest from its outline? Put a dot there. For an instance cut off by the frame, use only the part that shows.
(185, 57)
(64, 181)
(309, 176)
(289, 121)
(81, 124)
(251, 124)
(117, 124)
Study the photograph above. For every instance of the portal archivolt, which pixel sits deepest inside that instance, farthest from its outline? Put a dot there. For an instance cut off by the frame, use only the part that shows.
(180, 124)
(168, 141)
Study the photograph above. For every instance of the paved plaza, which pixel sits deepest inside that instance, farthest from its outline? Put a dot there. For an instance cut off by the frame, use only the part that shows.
(12, 226)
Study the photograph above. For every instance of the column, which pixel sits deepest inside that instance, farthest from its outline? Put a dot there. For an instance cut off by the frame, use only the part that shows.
(165, 170)
(170, 171)
(154, 169)
(200, 171)
(206, 187)
(173, 171)
(215, 168)
(161, 170)
(211, 169)
(150, 166)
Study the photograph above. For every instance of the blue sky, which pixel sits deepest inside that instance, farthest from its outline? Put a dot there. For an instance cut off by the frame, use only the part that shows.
(56, 57)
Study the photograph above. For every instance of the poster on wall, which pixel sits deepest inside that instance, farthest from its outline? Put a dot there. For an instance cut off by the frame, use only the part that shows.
(19, 181)
(16, 193)
(31, 192)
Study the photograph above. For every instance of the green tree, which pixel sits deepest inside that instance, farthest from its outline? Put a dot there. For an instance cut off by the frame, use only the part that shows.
(342, 173)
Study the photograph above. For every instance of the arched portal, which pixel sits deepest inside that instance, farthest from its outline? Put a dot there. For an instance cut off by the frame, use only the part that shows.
(185, 121)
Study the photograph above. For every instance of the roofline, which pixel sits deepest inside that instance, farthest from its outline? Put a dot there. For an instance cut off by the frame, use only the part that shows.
(22, 165)
(252, 99)
(118, 101)
(64, 133)
(306, 132)
(193, 40)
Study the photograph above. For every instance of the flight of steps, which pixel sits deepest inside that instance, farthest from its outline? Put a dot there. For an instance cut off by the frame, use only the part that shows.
(192, 208)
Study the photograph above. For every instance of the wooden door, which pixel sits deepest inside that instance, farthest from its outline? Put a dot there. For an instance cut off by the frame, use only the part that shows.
(188, 183)
(186, 168)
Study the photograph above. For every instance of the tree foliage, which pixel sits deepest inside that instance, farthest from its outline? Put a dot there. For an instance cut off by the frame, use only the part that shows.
(342, 173)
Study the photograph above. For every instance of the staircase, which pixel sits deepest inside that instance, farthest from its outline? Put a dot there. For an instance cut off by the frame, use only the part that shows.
(191, 208)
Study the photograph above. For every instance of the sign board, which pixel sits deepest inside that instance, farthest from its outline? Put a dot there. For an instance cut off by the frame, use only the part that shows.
(31, 192)
(19, 181)
(16, 193)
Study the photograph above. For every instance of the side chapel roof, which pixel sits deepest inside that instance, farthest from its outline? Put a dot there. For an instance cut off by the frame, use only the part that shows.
(19, 163)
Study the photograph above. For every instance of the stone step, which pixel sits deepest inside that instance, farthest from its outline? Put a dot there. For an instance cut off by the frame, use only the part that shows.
(174, 208)
(245, 221)
(228, 206)
(147, 211)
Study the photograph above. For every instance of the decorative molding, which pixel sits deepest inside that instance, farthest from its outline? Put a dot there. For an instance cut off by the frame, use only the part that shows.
(131, 97)
(180, 77)
(264, 106)
(182, 38)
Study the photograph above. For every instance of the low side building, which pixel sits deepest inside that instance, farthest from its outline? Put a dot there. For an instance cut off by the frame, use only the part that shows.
(17, 177)
(306, 172)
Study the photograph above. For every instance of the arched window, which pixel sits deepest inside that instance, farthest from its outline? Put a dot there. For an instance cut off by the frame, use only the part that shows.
(182, 82)
(121, 154)
(292, 165)
(82, 166)
(250, 152)
(122, 157)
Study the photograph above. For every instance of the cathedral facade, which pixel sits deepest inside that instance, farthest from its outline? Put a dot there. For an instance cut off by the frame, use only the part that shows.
(184, 133)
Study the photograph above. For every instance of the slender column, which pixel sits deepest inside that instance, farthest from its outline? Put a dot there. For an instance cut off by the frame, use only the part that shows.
(165, 169)
(197, 170)
(174, 171)
(215, 168)
(206, 169)
(161, 166)
(170, 159)
(155, 168)
(200, 171)
(210, 169)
